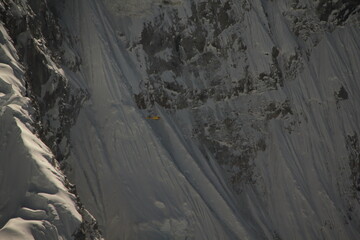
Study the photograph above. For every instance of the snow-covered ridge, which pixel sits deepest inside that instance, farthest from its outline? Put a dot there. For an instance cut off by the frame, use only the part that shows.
(34, 202)
(37, 109)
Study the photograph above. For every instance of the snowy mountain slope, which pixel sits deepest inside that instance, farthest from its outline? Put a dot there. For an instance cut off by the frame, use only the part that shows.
(258, 130)
(134, 185)
(35, 198)
(35, 204)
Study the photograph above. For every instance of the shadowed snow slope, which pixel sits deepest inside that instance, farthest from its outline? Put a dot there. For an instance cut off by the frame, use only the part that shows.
(136, 186)
(259, 121)
(258, 129)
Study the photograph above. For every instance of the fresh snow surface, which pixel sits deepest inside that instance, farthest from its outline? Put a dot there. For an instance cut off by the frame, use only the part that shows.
(34, 203)
(139, 184)
(148, 179)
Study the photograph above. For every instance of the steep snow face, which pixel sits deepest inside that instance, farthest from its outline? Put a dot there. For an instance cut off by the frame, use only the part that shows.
(34, 202)
(258, 129)
(137, 187)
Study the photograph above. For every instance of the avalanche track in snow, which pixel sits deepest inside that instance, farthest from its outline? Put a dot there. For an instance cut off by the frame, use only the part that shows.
(267, 158)
(136, 186)
(258, 129)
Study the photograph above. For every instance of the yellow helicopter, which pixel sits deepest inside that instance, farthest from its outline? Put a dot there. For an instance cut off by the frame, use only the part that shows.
(153, 117)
